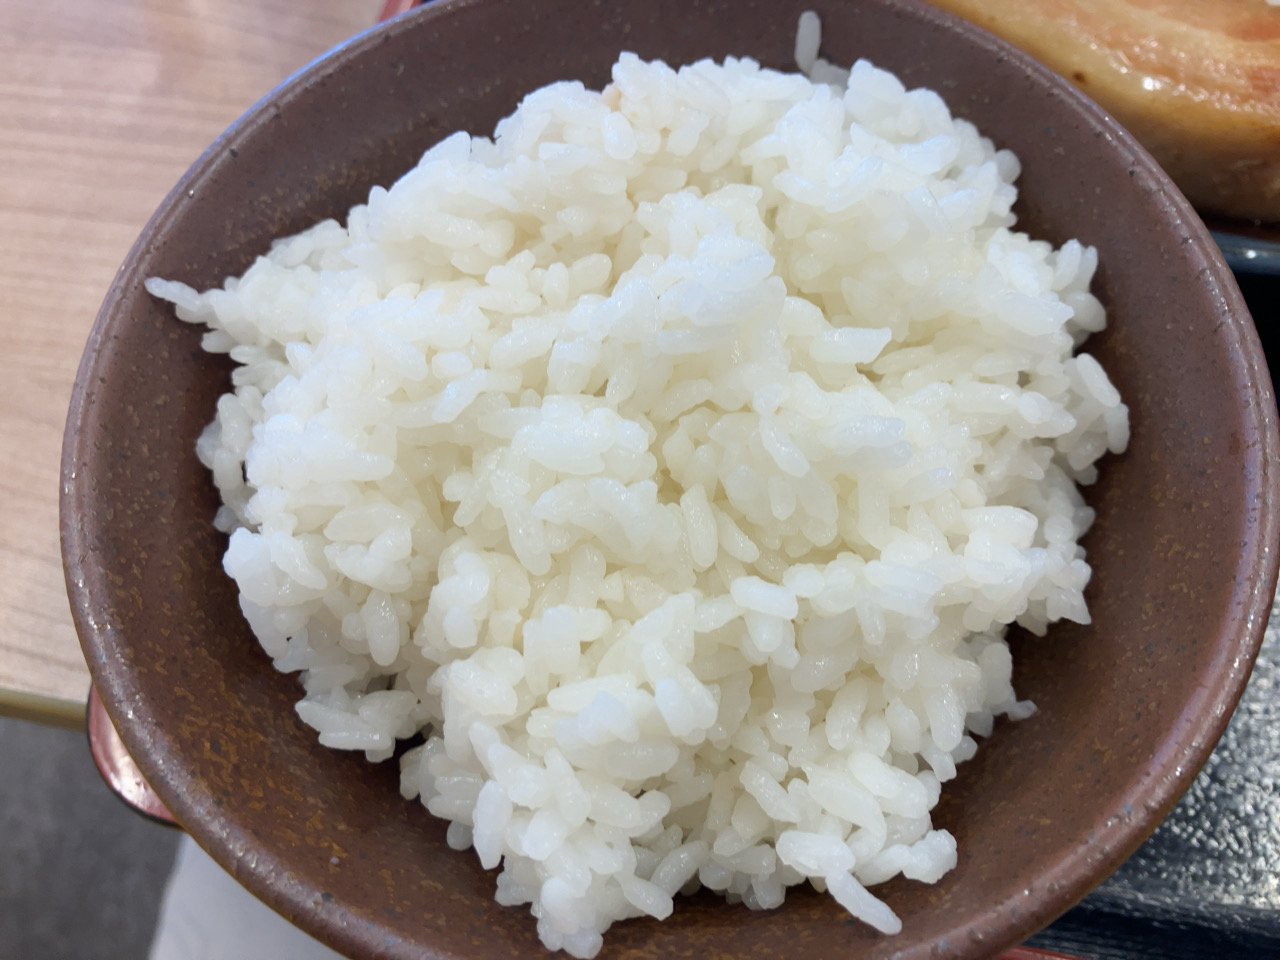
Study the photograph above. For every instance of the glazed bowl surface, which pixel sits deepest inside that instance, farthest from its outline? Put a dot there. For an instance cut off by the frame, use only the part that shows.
(1130, 706)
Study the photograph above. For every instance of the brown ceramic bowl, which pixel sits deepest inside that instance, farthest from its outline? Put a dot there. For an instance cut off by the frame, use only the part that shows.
(1183, 550)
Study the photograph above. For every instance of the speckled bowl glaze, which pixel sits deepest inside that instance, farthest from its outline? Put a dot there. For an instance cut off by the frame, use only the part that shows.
(1183, 550)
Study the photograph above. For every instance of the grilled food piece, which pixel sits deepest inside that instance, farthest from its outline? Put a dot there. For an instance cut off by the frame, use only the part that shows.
(1196, 81)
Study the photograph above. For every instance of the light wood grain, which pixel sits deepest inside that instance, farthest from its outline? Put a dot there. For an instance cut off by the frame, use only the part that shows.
(103, 105)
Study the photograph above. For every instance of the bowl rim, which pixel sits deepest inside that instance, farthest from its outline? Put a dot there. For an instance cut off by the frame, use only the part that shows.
(1069, 878)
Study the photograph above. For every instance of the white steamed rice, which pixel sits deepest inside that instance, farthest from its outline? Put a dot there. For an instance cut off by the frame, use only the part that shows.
(674, 462)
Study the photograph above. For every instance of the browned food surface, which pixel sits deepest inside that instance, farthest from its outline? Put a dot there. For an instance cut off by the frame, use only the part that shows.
(1197, 81)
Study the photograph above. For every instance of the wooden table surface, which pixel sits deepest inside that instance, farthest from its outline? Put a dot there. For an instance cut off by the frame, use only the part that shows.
(103, 105)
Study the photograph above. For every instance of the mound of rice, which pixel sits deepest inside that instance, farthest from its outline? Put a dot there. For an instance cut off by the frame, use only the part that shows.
(674, 462)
